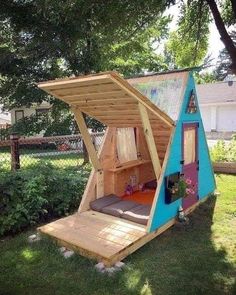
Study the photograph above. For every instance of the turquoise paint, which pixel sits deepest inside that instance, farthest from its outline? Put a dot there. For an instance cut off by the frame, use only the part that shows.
(206, 182)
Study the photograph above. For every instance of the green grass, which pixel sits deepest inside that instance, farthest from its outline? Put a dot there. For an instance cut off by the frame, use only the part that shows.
(28, 159)
(196, 259)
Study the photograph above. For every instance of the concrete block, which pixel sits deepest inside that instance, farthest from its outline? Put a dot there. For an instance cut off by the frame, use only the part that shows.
(100, 267)
(68, 253)
(119, 264)
(34, 238)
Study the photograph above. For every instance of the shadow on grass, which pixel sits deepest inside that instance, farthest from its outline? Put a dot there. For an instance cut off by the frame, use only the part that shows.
(183, 260)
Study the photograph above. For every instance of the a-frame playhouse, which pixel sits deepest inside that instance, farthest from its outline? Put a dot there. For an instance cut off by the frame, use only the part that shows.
(154, 159)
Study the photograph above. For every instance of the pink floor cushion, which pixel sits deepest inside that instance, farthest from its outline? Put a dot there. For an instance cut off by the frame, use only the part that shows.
(138, 214)
(100, 203)
(117, 209)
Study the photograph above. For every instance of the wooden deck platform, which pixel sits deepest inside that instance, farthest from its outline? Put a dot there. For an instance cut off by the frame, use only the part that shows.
(97, 235)
(103, 237)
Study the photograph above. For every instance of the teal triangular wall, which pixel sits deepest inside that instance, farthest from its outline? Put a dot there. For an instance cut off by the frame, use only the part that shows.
(206, 181)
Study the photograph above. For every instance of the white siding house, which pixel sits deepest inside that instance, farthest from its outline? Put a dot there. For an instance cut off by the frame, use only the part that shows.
(5, 117)
(218, 106)
(19, 113)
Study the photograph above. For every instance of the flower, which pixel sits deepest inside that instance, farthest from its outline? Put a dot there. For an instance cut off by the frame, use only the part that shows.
(188, 181)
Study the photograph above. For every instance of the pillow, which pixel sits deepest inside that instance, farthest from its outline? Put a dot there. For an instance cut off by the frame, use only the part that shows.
(139, 214)
(98, 204)
(116, 209)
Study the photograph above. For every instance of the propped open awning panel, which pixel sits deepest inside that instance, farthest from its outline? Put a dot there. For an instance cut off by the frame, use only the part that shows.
(108, 98)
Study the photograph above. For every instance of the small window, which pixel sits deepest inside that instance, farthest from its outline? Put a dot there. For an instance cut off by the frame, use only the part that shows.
(126, 145)
(19, 115)
(189, 146)
(41, 111)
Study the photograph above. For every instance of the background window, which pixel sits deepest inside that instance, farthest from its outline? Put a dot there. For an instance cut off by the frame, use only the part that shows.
(19, 115)
(41, 111)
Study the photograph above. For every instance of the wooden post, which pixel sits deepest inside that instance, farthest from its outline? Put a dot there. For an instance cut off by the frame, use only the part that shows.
(15, 155)
(150, 140)
(91, 151)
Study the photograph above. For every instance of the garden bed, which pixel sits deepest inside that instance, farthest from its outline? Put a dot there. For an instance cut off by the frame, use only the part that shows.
(225, 167)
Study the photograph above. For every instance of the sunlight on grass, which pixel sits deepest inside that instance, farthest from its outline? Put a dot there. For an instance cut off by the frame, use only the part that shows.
(146, 290)
(133, 279)
(28, 254)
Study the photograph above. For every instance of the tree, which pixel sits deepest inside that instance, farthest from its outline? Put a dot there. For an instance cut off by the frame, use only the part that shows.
(230, 18)
(224, 62)
(42, 40)
(187, 46)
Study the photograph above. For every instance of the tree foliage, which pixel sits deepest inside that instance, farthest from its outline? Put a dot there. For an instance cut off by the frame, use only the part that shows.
(42, 40)
(187, 46)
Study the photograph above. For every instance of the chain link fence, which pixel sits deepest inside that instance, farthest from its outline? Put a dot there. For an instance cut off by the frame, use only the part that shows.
(61, 151)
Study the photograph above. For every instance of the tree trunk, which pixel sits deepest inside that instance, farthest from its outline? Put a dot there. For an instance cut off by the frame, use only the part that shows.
(226, 39)
(233, 3)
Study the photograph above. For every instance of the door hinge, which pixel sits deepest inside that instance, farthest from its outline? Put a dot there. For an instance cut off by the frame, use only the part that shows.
(182, 162)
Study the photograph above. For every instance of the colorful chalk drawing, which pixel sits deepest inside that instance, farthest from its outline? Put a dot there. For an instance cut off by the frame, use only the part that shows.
(166, 94)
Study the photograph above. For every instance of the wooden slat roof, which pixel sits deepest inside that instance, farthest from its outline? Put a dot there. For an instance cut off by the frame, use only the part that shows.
(108, 98)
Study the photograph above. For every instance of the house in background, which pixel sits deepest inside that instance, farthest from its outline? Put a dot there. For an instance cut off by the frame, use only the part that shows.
(218, 108)
(22, 112)
(5, 118)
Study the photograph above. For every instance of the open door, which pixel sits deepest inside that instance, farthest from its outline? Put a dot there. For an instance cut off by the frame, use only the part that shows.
(190, 162)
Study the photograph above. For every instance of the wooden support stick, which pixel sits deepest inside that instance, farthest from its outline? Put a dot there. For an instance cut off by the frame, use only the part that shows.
(87, 138)
(100, 184)
(150, 140)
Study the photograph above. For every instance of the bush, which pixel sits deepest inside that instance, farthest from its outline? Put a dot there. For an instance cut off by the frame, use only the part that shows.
(38, 194)
(223, 152)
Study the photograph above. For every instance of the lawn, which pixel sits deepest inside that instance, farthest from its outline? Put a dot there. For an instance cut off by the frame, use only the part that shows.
(196, 259)
(31, 157)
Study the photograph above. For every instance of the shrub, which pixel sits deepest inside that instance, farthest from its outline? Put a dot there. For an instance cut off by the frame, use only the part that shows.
(38, 194)
(223, 152)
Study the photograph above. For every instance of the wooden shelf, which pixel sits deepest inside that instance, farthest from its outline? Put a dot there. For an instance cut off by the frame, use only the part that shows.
(128, 166)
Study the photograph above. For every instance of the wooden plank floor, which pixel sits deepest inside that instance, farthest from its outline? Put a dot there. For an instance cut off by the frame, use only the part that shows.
(96, 235)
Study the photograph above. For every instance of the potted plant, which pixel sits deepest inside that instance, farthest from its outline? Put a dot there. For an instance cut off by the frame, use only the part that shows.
(178, 187)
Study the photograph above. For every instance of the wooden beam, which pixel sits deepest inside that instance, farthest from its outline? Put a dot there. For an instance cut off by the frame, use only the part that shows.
(87, 138)
(150, 140)
(141, 98)
(100, 184)
(154, 203)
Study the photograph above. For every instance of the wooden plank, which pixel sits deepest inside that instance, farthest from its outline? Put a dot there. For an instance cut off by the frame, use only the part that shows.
(107, 234)
(161, 180)
(88, 89)
(70, 82)
(139, 243)
(104, 102)
(114, 94)
(131, 165)
(90, 190)
(112, 108)
(141, 98)
(87, 138)
(93, 244)
(126, 223)
(150, 140)
(100, 184)
(111, 111)
(114, 224)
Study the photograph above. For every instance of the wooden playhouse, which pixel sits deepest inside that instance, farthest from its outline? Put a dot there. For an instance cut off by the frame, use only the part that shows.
(154, 159)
